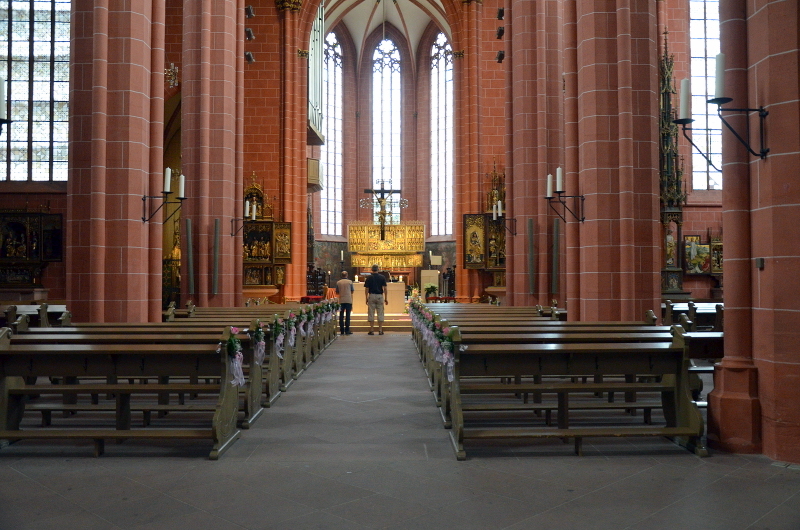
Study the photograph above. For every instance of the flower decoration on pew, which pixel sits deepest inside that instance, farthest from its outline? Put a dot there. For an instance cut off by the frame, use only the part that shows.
(435, 335)
(302, 318)
(279, 332)
(291, 327)
(258, 338)
(234, 349)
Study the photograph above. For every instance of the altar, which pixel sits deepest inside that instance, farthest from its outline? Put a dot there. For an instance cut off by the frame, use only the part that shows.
(396, 293)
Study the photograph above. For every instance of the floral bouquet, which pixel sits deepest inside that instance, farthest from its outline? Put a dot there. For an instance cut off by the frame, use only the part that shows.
(279, 332)
(234, 349)
(259, 341)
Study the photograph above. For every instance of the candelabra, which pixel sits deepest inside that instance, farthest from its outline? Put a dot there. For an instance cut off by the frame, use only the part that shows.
(148, 199)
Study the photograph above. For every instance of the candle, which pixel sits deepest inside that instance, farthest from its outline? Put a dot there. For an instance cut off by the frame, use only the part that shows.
(559, 180)
(253, 211)
(167, 180)
(246, 209)
(182, 187)
(549, 186)
(2, 98)
(341, 255)
(494, 212)
(499, 208)
(686, 100)
(356, 278)
(719, 85)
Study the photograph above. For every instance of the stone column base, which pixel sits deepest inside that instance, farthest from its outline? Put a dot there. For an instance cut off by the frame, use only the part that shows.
(734, 410)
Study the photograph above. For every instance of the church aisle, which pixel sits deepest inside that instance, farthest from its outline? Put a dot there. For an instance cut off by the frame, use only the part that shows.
(357, 443)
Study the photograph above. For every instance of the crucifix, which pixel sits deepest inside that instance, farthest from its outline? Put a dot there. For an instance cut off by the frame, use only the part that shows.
(381, 200)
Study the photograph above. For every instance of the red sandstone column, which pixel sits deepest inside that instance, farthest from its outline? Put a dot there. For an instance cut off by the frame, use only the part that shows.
(112, 152)
(469, 283)
(571, 159)
(294, 197)
(617, 147)
(209, 143)
(734, 411)
(155, 232)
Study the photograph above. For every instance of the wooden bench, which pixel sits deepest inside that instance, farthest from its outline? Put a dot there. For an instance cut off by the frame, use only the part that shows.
(663, 361)
(101, 360)
(43, 315)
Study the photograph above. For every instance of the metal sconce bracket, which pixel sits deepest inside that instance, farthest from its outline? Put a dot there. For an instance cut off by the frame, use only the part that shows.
(233, 225)
(560, 198)
(512, 231)
(683, 123)
(165, 200)
(762, 114)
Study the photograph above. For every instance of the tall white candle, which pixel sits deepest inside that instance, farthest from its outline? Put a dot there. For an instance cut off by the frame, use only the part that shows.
(686, 100)
(719, 85)
(182, 187)
(549, 186)
(559, 179)
(494, 212)
(253, 211)
(246, 209)
(167, 179)
(341, 255)
(2, 99)
(499, 208)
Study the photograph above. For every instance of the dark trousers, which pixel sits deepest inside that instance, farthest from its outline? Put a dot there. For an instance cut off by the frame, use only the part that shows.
(344, 318)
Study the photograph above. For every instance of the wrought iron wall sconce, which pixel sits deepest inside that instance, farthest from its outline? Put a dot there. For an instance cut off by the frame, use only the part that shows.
(250, 212)
(249, 57)
(560, 197)
(719, 99)
(148, 199)
(499, 214)
(500, 56)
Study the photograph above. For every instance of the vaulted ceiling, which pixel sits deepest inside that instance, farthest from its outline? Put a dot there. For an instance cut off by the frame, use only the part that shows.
(362, 17)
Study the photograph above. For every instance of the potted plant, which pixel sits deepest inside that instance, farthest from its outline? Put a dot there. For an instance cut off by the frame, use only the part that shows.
(430, 290)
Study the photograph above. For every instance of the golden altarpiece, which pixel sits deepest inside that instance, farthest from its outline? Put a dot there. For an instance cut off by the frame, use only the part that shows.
(485, 233)
(266, 245)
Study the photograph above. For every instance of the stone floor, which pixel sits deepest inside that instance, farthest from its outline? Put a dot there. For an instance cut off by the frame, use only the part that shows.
(357, 443)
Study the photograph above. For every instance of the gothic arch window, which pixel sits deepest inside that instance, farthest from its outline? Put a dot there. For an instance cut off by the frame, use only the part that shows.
(441, 137)
(331, 153)
(34, 58)
(386, 121)
(707, 127)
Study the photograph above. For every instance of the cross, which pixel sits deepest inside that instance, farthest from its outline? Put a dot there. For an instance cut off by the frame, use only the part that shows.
(381, 196)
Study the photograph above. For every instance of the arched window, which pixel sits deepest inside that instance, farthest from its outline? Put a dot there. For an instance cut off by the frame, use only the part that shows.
(386, 168)
(707, 127)
(441, 137)
(34, 58)
(331, 152)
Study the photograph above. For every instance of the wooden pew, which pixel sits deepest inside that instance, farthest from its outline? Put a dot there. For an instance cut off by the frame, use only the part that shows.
(125, 360)
(264, 381)
(43, 315)
(660, 360)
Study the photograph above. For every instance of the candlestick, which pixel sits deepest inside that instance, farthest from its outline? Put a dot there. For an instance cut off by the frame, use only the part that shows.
(559, 180)
(494, 212)
(182, 187)
(167, 180)
(341, 255)
(719, 85)
(686, 100)
(246, 209)
(549, 186)
(253, 211)
(499, 208)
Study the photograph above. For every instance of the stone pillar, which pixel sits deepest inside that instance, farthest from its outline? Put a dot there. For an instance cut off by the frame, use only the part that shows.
(294, 196)
(535, 141)
(115, 159)
(617, 139)
(469, 196)
(210, 139)
(734, 411)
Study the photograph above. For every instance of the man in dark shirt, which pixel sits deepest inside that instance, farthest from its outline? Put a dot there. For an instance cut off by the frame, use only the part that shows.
(377, 297)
